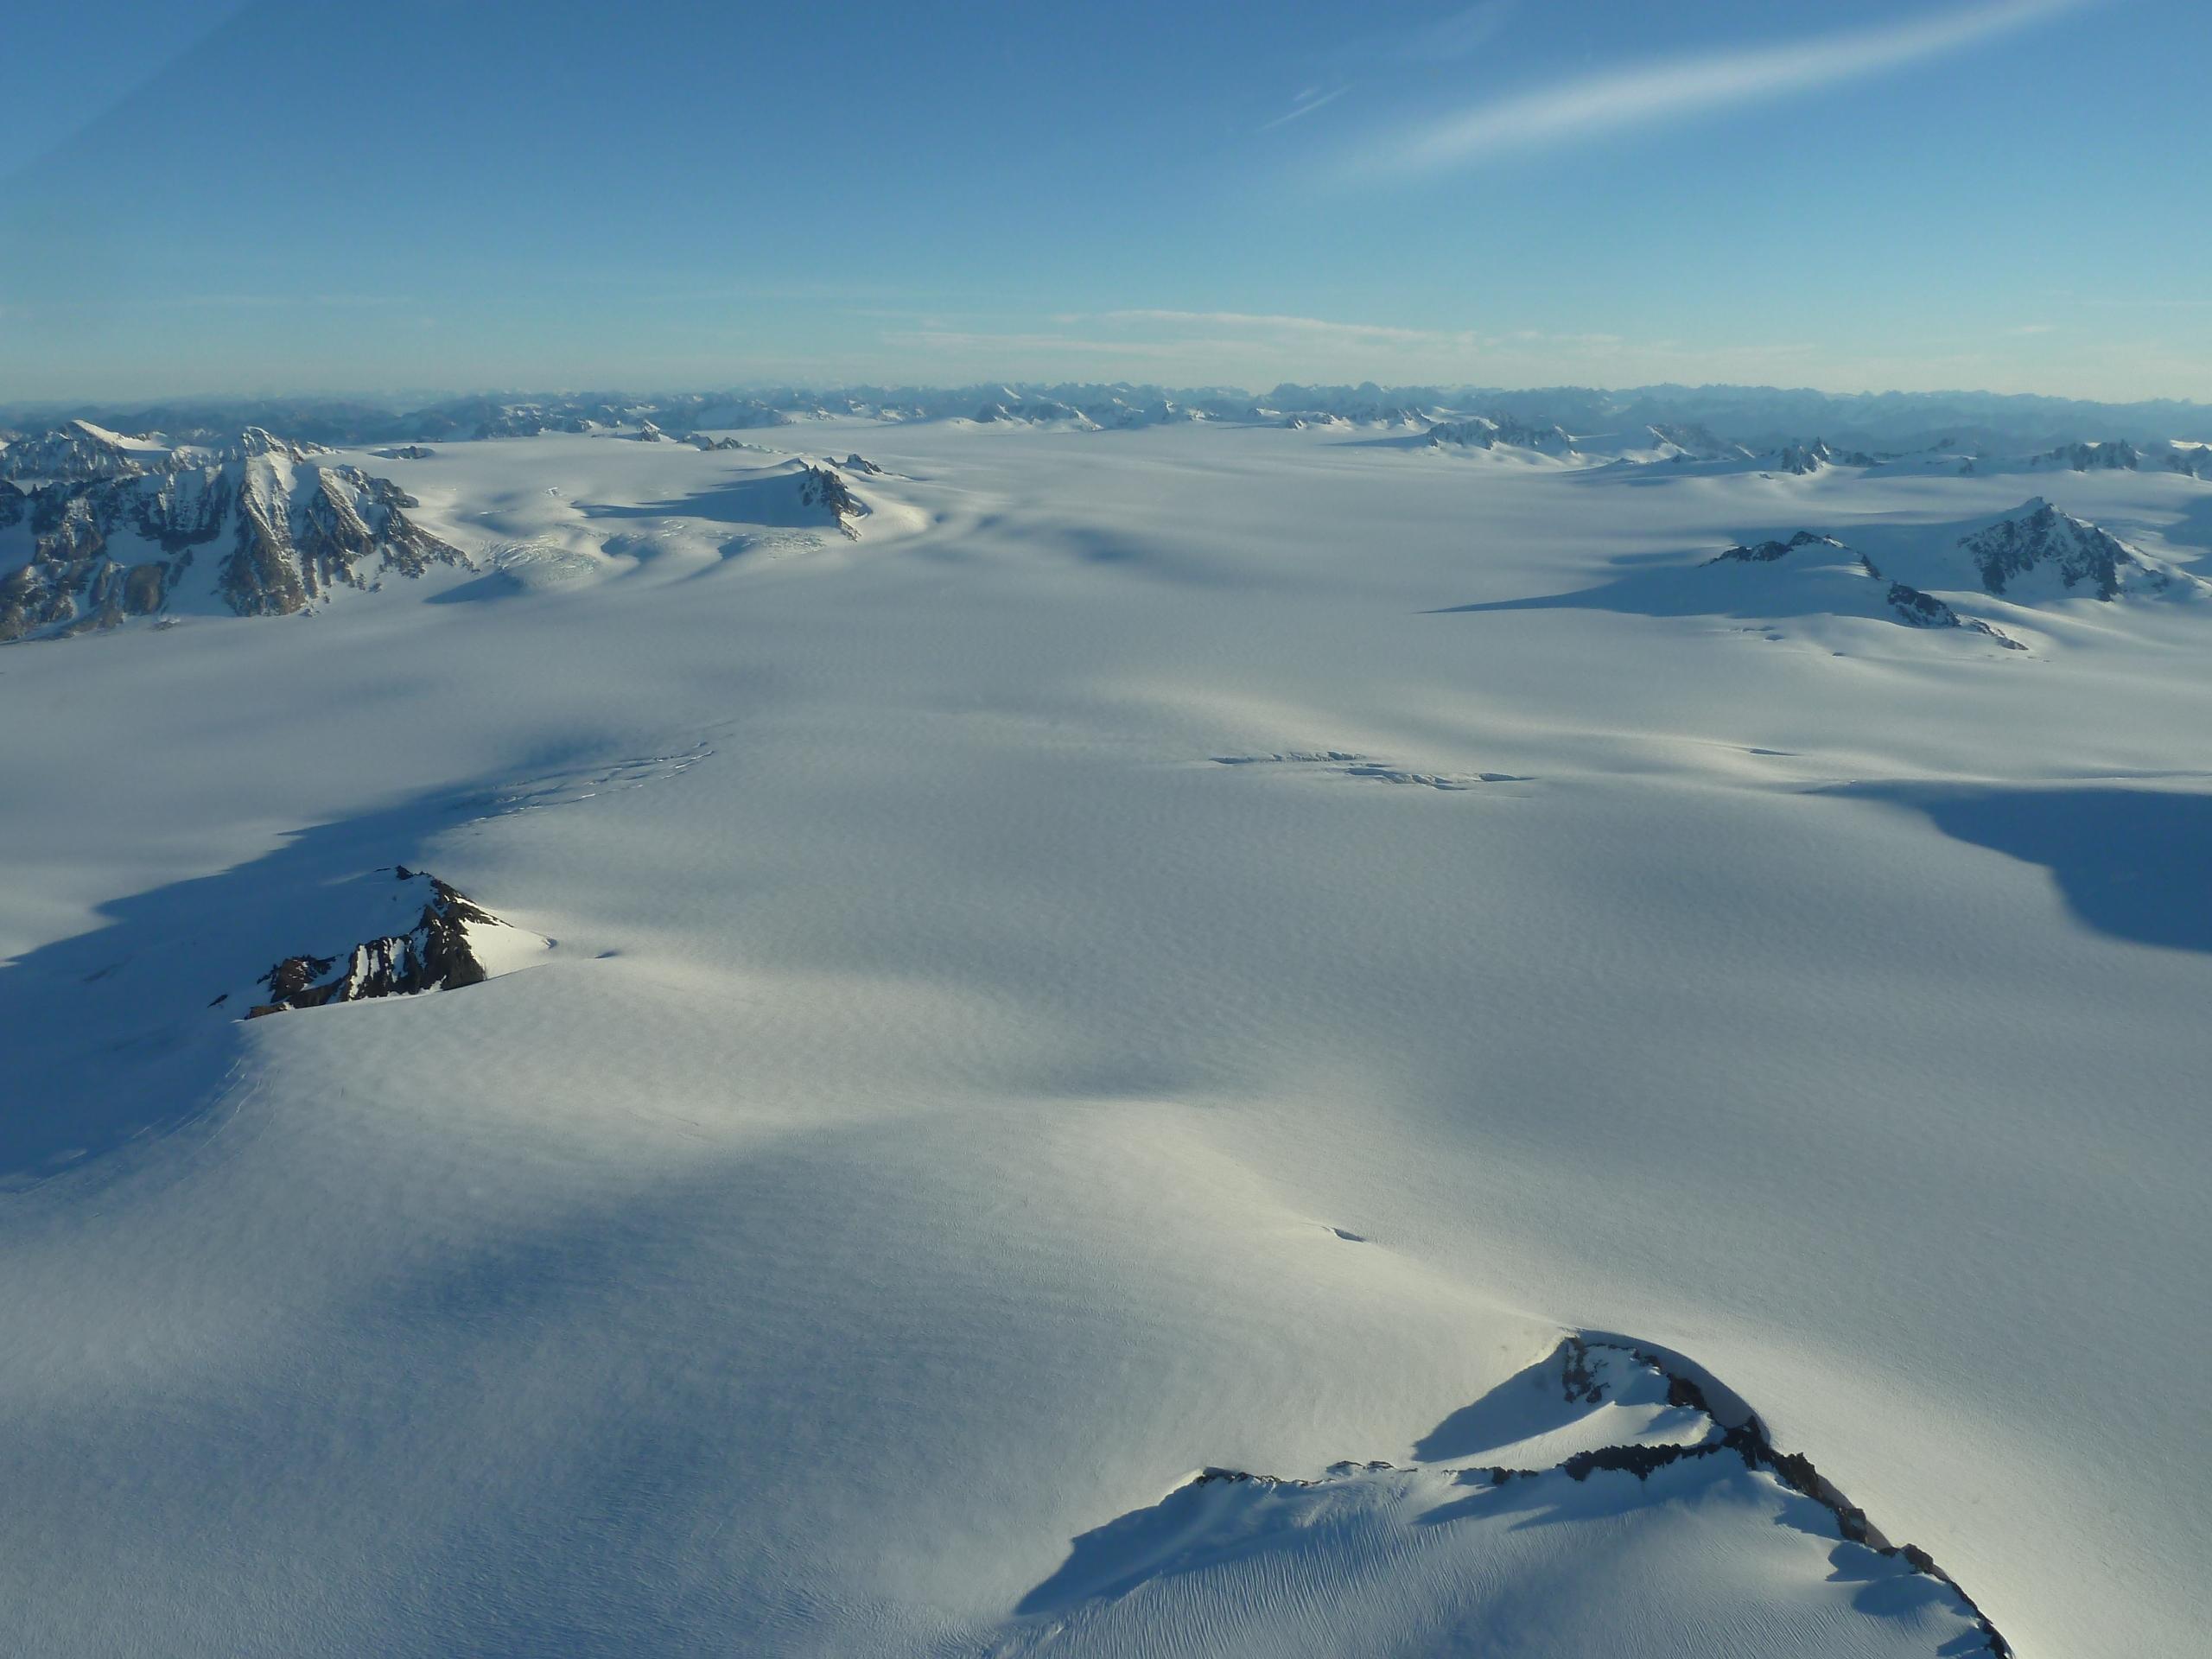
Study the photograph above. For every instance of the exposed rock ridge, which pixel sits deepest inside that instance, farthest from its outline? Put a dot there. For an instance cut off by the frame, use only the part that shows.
(1484, 432)
(434, 955)
(1734, 1431)
(821, 487)
(110, 548)
(1909, 604)
(2077, 551)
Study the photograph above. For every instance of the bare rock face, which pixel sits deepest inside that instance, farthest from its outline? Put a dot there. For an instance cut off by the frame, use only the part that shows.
(1692, 441)
(435, 954)
(104, 549)
(821, 487)
(2041, 542)
(1484, 433)
(2116, 455)
(80, 450)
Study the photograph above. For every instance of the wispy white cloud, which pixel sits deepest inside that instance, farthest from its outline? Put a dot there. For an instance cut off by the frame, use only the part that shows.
(1310, 329)
(1458, 33)
(1304, 105)
(1643, 94)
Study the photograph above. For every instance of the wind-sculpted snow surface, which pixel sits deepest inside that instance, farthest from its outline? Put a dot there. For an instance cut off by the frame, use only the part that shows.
(1198, 945)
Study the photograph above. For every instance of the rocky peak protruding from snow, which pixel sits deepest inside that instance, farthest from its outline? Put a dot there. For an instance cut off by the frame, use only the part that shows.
(441, 943)
(2113, 454)
(1042, 412)
(1679, 441)
(108, 548)
(1768, 552)
(1824, 557)
(2038, 543)
(821, 487)
(255, 441)
(1802, 459)
(78, 449)
(1486, 432)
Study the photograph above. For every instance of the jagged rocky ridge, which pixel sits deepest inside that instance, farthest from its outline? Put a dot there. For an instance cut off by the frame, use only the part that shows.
(261, 528)
(1708, 1422)
(1801, 459)
(1484, 433)
(2039, 539)
(1909, 604)
(436, 953)
(821, 487)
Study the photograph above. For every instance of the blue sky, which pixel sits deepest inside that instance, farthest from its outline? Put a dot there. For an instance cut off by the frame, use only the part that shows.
(201, 197)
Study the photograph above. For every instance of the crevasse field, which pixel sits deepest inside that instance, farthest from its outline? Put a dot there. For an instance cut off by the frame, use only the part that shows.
(1201, 949)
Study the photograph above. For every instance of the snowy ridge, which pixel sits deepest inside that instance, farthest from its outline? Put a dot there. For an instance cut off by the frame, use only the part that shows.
(1807, 551)
(1633, 1438)
(1484, 433)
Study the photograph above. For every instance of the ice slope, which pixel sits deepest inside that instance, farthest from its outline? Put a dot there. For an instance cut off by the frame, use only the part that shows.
(957, 1108)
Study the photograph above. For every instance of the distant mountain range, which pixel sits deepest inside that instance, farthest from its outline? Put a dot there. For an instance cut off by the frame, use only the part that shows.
(1760, 419)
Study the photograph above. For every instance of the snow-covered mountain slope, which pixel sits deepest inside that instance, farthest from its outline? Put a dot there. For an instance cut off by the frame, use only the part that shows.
(1481, 433)
(1809, 563)
(1633, 1463)
(1805, 581)
(2035, 553)
(959, 1108)
(276, 529)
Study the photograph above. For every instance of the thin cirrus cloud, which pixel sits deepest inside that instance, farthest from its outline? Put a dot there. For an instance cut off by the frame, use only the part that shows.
(1304, 105)
(1310, 329)
(1648, 93)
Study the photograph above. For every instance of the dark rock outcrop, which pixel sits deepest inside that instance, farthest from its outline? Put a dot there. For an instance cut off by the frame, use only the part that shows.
(821, 487)
(1908, 604)
(433, 955)
(298, 529)
(2114, 456)
(2041, 537)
